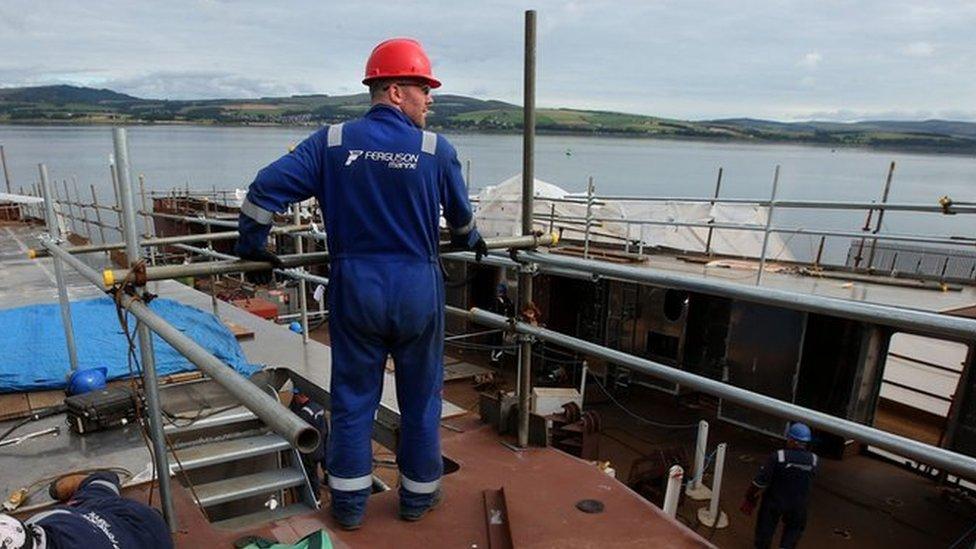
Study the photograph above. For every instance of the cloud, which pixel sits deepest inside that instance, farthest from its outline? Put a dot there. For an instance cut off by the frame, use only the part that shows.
(202, 85)
(810, 60)
(764, 59)
(919, 49)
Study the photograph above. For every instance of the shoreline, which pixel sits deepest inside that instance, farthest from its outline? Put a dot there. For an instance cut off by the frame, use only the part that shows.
(922, 150)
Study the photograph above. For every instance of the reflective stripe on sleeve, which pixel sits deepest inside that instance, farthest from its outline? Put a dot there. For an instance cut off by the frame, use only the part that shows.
(420, 487)
(334, 138)
(106, 484)
(350, 484)
(781, 456)
(429, 144)
(465, 229)
(256, 212)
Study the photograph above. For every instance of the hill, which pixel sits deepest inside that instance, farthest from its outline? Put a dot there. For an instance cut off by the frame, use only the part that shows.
(72, 104)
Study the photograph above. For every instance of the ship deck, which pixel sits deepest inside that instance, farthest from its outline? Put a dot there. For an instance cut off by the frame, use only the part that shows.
(540, 486)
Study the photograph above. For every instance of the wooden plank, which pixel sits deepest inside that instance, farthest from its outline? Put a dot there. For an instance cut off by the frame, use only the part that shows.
(14, 405)
(45, 399)
(240, 331)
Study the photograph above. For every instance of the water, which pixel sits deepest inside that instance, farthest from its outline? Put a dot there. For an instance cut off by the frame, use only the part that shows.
(228, 158)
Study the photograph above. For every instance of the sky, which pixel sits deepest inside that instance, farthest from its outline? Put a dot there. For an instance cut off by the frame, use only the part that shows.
(779, 60)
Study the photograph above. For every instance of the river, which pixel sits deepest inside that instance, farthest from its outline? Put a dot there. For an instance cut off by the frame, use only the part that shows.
(228, 157)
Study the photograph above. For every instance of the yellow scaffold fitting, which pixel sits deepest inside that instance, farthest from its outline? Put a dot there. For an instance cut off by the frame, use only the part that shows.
(108, 277)
(31, 254)
(555, 238)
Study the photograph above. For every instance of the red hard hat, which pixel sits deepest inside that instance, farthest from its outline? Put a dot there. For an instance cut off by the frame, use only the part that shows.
(399, 58)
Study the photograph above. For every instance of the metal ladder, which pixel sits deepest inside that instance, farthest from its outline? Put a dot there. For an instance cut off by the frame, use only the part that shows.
(242, 473)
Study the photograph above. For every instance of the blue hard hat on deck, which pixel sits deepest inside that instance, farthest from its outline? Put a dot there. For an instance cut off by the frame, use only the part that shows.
(295, 327)
(799, 432)
(87, 380)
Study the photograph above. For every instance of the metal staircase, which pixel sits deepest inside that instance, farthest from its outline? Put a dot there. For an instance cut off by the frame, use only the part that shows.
(240, 472)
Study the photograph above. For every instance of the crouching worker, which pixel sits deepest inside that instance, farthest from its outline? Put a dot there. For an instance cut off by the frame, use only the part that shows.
(94, 516)
(313, 414)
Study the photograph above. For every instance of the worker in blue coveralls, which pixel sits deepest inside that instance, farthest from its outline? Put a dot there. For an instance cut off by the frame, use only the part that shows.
(784, 482)
(95, 516)
(313, 414)
(382, 181)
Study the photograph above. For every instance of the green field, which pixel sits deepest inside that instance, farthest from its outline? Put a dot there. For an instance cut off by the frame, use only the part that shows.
(77, 105)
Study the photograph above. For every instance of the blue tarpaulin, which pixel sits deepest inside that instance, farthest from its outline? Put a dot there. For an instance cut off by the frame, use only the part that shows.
(33, 354)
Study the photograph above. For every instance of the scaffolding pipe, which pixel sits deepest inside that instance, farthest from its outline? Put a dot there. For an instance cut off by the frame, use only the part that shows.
(292, 273)
(911, 320)
(955, 208)
(769, 224)
(53, 229)
(302, 290)
(181, 239)
(696, 490)
(197, 220)
(951, 241)
(146, 354)
(675, 475)
(712, 515)
(163, 272)
(528, 193)
(951, 462)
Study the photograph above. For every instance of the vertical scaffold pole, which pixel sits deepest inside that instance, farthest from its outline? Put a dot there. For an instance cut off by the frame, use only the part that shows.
(302, 287)
(146, 354)
(53, 229)
(697, 490)
(528, 190)
(769, 223)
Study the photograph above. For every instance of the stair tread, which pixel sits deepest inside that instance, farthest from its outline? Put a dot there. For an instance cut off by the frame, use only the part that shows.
(262, 517)
(230, 489)
(238, 414)
(212, 453)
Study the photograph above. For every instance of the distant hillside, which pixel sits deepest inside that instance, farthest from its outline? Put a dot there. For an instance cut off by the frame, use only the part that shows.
(72, 104)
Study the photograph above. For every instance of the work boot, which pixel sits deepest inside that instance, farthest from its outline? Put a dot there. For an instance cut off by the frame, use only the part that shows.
(412, 510)
(63, 489)
(349, 508)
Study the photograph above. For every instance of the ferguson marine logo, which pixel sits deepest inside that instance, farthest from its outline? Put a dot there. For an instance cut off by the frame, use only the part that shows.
(394, 160)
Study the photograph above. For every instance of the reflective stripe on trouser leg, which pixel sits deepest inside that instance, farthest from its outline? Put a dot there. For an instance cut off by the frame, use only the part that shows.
(350, 484)
(420, 487)
(419, 357)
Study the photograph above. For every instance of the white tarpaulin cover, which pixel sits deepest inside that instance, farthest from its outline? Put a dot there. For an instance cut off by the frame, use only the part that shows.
(499, 213)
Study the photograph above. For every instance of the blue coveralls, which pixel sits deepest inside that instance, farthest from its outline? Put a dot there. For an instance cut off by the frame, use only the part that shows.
(99, 518)
(381, 182)
(313, 414)
(785, 479)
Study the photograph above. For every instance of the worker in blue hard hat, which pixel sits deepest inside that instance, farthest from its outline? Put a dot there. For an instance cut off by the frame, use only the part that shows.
(314, 414)
(784, 483)
(383, 182)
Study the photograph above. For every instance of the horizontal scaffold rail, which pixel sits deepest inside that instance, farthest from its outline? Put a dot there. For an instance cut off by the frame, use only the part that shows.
(168, 240)
(164, 272)
(945, 460)
(911, 320)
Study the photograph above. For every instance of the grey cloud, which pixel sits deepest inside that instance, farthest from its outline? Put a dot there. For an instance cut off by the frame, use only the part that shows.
(202, 85)
(693, 59)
